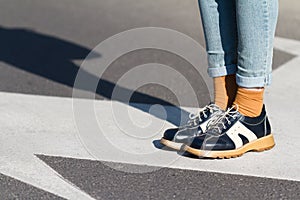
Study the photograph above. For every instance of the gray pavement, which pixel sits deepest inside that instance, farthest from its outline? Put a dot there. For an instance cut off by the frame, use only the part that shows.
(107, 183)
(11, 188)
(43, 44)
(102, 182)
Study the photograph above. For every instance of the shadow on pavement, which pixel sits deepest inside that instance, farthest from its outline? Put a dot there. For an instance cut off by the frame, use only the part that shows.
(51, 58)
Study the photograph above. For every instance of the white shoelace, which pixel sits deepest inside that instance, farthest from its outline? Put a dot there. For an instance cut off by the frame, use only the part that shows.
(217, 124)
(208, 108)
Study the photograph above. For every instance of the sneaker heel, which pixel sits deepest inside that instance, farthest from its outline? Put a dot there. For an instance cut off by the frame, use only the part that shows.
(263, 144)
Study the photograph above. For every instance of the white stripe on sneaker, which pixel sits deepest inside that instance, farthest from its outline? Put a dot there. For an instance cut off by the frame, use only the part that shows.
(239, 128)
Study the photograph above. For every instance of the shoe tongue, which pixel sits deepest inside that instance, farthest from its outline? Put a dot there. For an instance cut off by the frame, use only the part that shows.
(216, 128)
(217, 125)
(213, 131)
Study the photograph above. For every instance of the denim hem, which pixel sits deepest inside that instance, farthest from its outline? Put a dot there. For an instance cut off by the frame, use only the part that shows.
(251, 82)
(222, 71)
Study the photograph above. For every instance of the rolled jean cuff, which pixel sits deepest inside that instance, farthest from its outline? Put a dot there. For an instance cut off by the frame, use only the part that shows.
(251, 82)
(222, 71)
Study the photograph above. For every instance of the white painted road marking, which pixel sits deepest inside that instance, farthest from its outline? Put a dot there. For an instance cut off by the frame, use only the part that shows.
(44, 125)
(30, 125)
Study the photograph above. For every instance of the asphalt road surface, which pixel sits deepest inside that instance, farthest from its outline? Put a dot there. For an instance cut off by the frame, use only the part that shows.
(43, 44)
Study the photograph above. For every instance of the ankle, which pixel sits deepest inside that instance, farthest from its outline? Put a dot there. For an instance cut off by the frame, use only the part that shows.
(225, 89)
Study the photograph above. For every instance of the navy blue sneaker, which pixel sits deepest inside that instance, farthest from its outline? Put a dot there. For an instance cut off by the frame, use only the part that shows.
(176, 137)
(232, 134)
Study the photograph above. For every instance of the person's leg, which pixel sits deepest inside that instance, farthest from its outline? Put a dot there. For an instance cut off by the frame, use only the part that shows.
(245, 127)
(256, 23)
(219, 24)
(220, 30)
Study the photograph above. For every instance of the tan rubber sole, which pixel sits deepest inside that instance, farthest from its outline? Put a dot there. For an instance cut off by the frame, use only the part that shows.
(170, 144)
(262, 144)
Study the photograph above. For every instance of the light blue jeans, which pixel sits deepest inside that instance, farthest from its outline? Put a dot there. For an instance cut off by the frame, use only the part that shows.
(239, 38)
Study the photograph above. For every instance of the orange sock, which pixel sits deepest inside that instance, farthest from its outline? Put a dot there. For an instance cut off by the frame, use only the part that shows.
(249, 101)
(225, 90)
